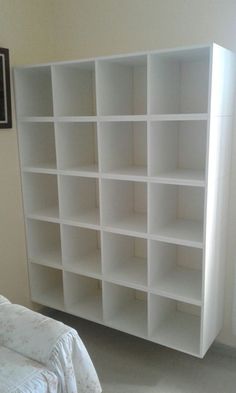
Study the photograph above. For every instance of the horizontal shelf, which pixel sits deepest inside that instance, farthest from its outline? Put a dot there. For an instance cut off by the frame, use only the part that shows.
(85, 119)
(88, 265)
(36, 119)
(136, 223)
(45, 168)
(123, 118)
(90, 217)
(179, 331)
(180, 117)
(75, 119)
(181, 284)
(48, 214)
(185, 232)
(85, 171)
(51, 297)
(131, 318)
(50, 258)
(181, 177)
(132, 271)
(130, 173)
(78, 224)
(90, 307)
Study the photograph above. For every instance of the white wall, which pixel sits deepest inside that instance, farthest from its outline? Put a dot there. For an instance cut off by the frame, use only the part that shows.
(48, 30)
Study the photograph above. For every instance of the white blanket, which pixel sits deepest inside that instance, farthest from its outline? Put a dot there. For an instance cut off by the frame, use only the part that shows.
(55, 345)
(19, 374)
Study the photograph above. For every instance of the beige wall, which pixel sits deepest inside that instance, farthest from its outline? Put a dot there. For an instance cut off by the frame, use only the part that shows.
(98, 27)
(24, 29)
(39, 31)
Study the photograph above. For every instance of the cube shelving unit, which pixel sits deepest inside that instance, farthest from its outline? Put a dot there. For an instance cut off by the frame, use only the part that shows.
(125, 171)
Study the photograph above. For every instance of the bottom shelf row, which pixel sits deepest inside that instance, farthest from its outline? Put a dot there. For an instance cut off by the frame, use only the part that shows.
(157, 318)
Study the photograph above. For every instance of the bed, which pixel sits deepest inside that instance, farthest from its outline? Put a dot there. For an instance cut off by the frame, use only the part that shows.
(41, 355)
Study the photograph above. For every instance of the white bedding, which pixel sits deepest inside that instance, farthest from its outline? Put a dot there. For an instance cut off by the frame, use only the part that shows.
(43, 340)
(19, 374)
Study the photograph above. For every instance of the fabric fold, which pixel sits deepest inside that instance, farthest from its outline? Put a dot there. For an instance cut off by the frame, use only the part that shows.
(51, 343)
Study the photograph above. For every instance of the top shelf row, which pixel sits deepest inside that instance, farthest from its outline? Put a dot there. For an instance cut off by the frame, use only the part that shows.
(174, 82)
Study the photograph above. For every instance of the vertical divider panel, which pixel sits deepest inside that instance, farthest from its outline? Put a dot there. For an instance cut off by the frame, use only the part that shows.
(149, 315)
(102, 266)
(56, 147)
(59, 195)
(56, 142)
(64, 283)
(148, 85)
(148, 256)
(97, 88)
(53, 81)
(148, 190)
(148, 288)
(99, 141)
(99, 179)
(55, 128)
(149, 146)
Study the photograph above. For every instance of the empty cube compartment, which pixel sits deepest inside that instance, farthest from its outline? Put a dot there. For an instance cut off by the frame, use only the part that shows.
(179, 81)
(178, 151)
(124, 148)
(81, 250)
(77, 146)
(175, 324)
(122, 86)
(80, 199)
(175, 271)
(34, 91)
(125, 259)
(83, 296)
(41, 195)
(46, 286)
(176, 214)
(125, 309)
(44, 242)
(74, 88)
(37, 145)
(124, 205)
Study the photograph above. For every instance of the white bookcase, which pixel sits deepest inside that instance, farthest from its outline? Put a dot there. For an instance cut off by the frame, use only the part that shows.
(125, 167)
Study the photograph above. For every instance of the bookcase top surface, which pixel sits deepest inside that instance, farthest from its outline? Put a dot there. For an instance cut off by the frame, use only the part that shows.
(199, 49)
